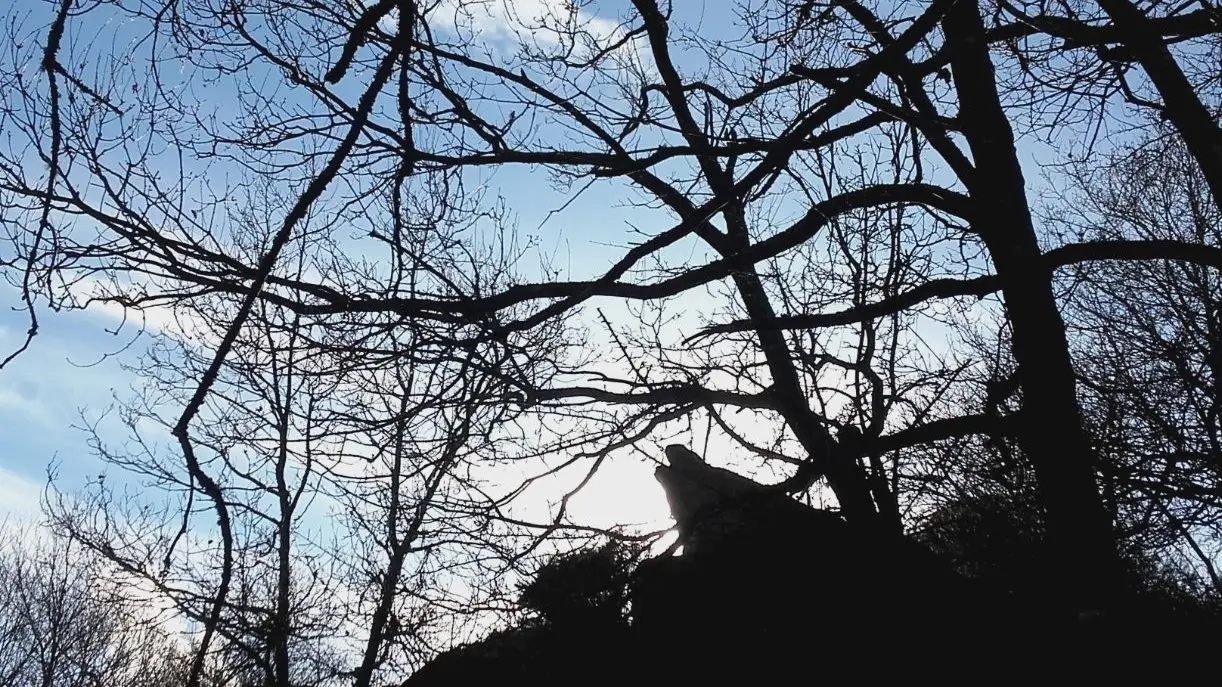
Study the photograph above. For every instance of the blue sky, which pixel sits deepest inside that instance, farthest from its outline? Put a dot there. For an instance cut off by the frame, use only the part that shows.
(73, 371)
(43, 393)
(67, 370)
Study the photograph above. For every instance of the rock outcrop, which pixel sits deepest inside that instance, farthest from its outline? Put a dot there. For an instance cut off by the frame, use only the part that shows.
(767, 591)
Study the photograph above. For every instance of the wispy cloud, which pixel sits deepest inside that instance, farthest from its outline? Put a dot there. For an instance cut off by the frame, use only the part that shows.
(19, 497)
(153, 319)
(541, 24)
(158, 319)
(519, 19)
(24, 403)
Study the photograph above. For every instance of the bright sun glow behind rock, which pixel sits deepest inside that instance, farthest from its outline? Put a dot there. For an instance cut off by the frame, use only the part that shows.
(624, 492)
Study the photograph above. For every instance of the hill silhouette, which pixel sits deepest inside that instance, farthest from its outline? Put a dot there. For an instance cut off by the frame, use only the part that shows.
(768, 590)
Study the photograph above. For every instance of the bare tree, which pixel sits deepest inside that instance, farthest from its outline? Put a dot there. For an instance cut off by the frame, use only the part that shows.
(1147, 335)
(64, 623)
(348, 464)
(829, 184)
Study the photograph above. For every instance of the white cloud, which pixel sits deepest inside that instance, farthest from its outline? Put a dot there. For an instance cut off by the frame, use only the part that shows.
(19, 498)
(25, 402)
(541, 24)
(516, 19)
(154, 319)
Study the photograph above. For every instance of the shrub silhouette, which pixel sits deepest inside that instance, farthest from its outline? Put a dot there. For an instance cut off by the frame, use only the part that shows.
(588, 586)
(576, 625)
(763, 581)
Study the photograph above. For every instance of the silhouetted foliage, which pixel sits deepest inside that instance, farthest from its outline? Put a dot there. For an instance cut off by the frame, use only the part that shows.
(1000, 540)
(584, 586)
(995, 538)
(576, 628)
(748, 605)
(787, 579)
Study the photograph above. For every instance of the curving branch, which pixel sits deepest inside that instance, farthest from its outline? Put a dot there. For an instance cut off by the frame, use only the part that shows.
(674, 394)
(937, 288)
(181, 429)
(1121, 249)
(937, 430)
(1074, 253)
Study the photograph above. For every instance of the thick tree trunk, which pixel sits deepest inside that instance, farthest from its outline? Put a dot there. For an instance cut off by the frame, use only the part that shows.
(1052, 435)
(827, 457)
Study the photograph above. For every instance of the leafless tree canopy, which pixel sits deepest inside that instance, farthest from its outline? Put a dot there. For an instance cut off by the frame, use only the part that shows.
(888, 257)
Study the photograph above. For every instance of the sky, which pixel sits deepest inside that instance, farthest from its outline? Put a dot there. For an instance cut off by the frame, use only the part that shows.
(73, 371)
(63, 380)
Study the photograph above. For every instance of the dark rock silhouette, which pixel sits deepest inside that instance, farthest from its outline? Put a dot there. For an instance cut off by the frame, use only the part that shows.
(772, 589)
(767, 591)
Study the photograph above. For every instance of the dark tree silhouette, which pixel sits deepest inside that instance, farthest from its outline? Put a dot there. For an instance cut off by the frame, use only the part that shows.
(837, 269)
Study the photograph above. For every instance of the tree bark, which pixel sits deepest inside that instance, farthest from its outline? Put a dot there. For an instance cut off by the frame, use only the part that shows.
(1051, 432)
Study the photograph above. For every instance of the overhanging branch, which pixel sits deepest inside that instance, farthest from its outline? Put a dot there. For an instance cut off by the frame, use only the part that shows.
(1088, 251)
